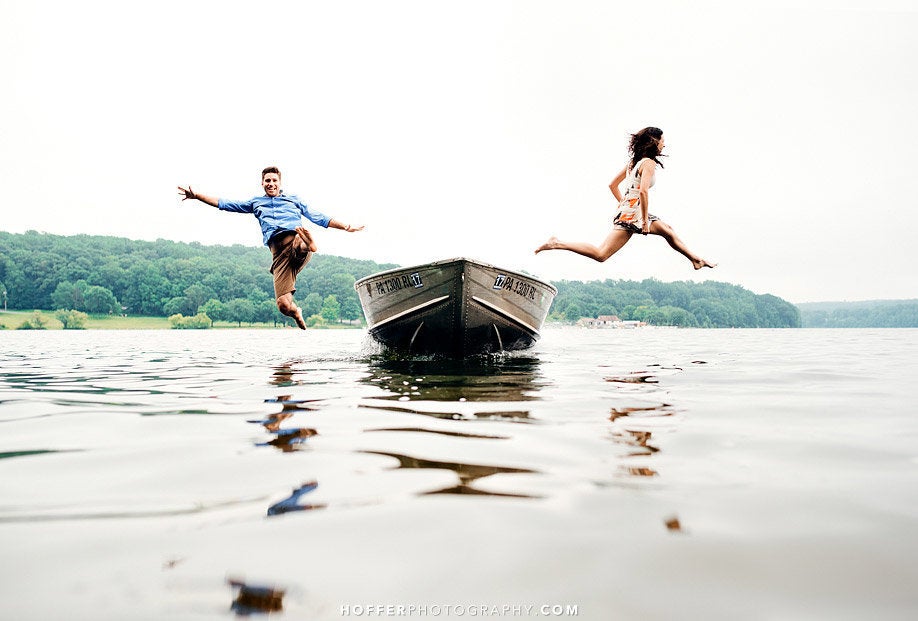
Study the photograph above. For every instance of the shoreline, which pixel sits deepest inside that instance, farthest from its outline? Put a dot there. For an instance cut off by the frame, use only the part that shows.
(10, 320)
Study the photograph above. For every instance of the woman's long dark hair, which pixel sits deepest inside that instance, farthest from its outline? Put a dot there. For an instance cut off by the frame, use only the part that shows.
(646, 143)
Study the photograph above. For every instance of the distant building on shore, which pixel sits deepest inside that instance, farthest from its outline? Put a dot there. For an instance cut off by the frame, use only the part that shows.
(608, 321)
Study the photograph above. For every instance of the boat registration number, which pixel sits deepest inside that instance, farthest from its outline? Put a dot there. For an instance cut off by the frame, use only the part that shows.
(519, 287)
(396, 283)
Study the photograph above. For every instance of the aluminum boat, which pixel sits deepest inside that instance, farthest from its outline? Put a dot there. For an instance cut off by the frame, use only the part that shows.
(455, 307)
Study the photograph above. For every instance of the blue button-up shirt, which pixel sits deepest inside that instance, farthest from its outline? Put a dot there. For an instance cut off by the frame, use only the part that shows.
(275, 213)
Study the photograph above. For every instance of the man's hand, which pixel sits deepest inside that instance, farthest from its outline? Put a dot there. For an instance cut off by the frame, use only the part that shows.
(187, 193)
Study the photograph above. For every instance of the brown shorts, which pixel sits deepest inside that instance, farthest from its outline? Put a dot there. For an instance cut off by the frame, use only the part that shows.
(291, 254)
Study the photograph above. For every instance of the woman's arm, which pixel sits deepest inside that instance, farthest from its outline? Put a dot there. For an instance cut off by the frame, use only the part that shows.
(617, 182)
(189, 193)
(647, 169)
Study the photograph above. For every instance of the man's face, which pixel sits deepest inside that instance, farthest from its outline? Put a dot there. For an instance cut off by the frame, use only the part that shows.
(271, 183)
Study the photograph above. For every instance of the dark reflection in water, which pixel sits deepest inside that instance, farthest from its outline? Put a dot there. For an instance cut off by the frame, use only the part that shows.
(639, 439)
(283, 375)
(255, 599)
(664, 409)
(673, 524)
(80, 381)
(510, 378)
(467, 473)
(416, 384)
(465, 391)
(479, 387)
(639, 471)
(455, 434)
(514, 416)
(9, 454)
(638, 377)
(292, 502)
(419, 387)
(286, 439)
(290, 438)
(629, 422)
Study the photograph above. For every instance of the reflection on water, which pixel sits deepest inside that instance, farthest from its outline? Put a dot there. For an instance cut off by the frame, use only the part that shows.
(471, 419)
(510, 378)
(635, 426)
(663, 409)
(10, 454)
(292, 502)
(457, 391)
(637, 439)
(285, 375)
(673, 524)
(579, 458)
(467, 473)
(289, 438)
(439, 390)
(255, 599)
(457, 434)
(449, 400)
(423, 386)
(516, 416)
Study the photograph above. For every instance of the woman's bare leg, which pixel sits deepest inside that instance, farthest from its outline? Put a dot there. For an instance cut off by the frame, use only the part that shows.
(665, 231)
(613, 242)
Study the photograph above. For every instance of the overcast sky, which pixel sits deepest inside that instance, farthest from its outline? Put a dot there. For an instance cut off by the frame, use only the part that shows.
(480, 128)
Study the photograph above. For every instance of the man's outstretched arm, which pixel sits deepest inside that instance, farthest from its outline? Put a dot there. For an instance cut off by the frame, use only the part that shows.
(187, 193)
(350, 228)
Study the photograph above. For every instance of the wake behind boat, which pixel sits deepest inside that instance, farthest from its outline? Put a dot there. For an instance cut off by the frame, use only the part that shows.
(455, 307)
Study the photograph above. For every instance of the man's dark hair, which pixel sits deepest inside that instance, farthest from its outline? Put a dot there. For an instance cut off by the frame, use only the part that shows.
(270, 169)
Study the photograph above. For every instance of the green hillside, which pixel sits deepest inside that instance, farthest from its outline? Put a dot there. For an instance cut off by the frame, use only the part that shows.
(101, 275)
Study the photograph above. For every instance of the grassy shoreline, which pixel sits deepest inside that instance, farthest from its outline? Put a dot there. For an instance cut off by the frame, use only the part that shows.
(11, 320)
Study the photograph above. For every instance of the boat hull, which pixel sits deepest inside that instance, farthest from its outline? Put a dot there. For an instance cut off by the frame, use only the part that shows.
(457, 307)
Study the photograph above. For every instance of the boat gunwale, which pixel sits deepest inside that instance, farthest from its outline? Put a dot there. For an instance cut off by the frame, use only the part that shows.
(358, 284)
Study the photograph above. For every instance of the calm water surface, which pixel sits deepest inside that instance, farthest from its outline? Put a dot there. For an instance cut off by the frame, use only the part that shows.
(643, 474)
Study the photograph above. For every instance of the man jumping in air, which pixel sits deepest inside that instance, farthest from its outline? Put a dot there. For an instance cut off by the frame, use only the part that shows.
(280, 216)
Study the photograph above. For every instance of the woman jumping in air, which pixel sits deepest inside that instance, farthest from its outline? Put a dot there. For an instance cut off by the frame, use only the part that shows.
(633, 216)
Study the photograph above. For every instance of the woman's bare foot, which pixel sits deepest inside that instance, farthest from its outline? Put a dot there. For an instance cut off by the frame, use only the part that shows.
(551, 244)
(700, 263)
(306, 237)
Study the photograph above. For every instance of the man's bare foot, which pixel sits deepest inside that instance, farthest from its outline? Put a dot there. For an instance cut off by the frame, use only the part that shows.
(306, 237)
(551, 244)
(298, 318)
(700, 263)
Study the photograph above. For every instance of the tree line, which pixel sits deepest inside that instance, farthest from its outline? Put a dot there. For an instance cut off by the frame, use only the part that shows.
(197, 284)
(869, 314)
(113, 275)
(687, 304)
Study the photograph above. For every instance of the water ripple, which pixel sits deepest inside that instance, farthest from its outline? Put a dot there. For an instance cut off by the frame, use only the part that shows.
(469, 419)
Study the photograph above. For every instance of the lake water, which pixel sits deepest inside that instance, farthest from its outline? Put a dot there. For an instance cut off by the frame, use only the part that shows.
(604, 474)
